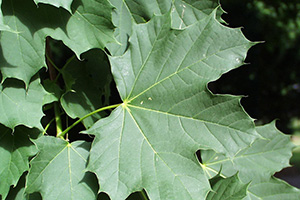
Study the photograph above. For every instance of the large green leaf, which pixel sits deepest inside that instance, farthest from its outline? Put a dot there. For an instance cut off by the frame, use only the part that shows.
(168, 113)
(66, 4)
(58, 171)
(15, 150)
(23, 48)
(184, 13)
(92, 79)
(20, 106)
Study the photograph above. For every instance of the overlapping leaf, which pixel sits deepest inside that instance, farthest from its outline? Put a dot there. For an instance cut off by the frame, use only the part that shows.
(168, 114)
(15, 150)
(92, 79)
(227, 189)
(19, 106)
(89, 26)
(66, 4)
(256, 163)
(184, 13)
(58, 171)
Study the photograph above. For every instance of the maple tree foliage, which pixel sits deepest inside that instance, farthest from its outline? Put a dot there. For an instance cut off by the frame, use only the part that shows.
(161, 55)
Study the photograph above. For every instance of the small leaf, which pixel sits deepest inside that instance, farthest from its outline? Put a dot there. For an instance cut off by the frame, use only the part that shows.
(58, 171)
(66, 4)
(228, 189)
(15, 150)
(20, 106)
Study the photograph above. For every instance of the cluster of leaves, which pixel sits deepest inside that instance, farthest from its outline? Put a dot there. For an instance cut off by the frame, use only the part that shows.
(161, 55)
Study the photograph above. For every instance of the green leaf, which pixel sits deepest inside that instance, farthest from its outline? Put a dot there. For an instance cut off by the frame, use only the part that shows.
(15, 150)
(54, 91)
(228, 188)
(168, 113)
(184, 13)
(272, 189)
(23, 48)
(92, 80)
(58, 171)
(66, 4)
(259, 161)
(187, 12)
(20, 106)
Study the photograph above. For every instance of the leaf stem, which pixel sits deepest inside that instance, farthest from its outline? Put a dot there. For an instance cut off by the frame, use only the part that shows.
(62, 134)
(57, 119)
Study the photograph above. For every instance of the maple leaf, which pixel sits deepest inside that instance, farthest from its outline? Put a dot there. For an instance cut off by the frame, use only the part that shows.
(168, 113)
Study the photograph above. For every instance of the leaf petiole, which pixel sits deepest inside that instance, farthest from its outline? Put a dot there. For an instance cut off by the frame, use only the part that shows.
(62, 134)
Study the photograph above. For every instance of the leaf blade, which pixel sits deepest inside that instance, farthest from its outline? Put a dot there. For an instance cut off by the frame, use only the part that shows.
(163, 122)
(15, 150)
(58, 171)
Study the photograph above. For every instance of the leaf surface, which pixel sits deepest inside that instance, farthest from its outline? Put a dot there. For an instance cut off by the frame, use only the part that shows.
(168, 114)
(58, 171)
(272, 189)
(184, 13)
(89, 26)
(228, 189)
(15, 150)
(66, 4)
(20, 106)
(257, 162)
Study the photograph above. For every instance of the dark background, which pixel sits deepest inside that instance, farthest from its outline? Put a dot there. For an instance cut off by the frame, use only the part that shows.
(271, 79)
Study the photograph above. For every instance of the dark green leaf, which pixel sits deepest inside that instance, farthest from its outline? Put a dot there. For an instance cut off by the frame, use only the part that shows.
(15, 150)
